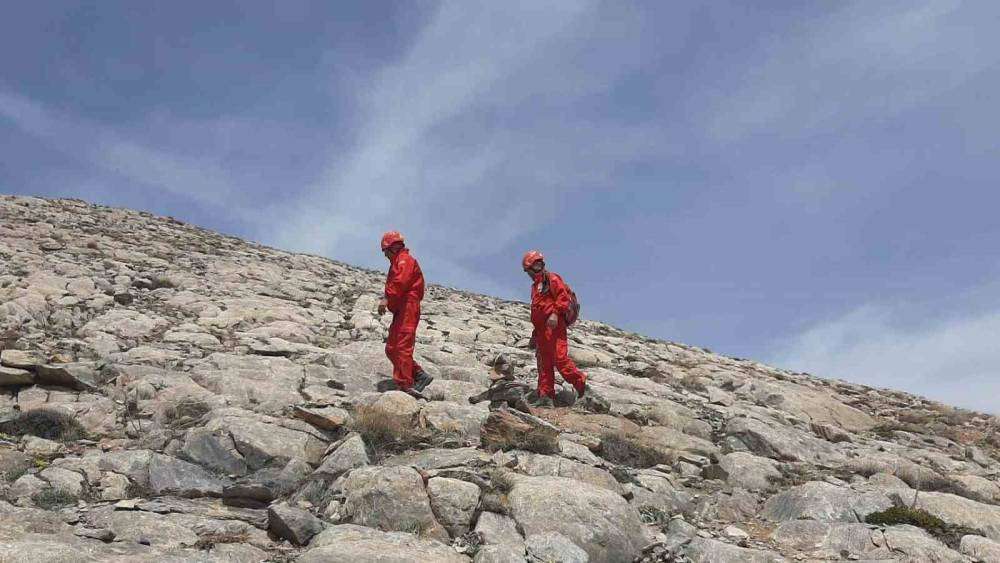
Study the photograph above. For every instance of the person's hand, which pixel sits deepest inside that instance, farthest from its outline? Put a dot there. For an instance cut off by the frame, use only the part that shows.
(552, 321)
(383, 305)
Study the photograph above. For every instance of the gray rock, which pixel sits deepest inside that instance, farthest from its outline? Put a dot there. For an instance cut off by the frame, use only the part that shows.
(214, 450)
(956, 510)
(15, 376)
(497, 529)
(20, 359)
(782, 442)
(499, 554)
(824, 502)
(979, 547)
(702, 550)
(453, 502)
(553, 546)
(747, 471)
(79, 376)
(910, 543)
(350, 454)
(61, 479)
(168, 475)
(390, 498)
(599, 521)
(352, 544)
(262, 443)
(830, 540)
(293, 524)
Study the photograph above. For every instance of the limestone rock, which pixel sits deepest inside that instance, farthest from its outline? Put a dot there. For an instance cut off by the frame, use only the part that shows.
(352, 544)
(595, 519)
(453, 502)
(293, 524)
(390, 498)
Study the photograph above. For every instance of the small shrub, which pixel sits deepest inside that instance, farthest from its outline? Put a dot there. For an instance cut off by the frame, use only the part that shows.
(385, 434)
(185, 413)
(208, 541)
(625, 449)
(49, 499)
(13, 474)
(653, 515)
(501, 481)
(948, 534)
(46, 423)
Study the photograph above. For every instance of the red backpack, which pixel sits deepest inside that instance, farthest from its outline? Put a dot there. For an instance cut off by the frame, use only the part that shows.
(573, 313)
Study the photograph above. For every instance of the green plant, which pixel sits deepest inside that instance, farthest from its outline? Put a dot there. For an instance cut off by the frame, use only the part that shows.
(653, 515)
(46, 423)
(948, 534)
(48, 499)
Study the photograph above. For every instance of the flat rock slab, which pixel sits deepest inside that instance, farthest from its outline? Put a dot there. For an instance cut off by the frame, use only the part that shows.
(348, 543)
(823, 502)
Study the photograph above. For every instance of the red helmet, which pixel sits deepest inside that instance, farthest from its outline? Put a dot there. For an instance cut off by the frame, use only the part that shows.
(390, 238)
(530, 258)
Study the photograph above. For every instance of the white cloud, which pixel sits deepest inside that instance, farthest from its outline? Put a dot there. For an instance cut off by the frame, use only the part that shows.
(860, 62)
(470, 141)
(956, 360)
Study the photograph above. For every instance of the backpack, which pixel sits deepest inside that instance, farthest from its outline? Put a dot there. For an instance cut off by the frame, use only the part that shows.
(573, 313)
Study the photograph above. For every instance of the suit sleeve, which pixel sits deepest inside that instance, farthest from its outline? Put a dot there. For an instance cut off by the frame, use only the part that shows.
(399, 280)
(560, 294)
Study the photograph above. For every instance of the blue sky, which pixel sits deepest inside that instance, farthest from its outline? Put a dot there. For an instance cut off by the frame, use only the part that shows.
(812, 184)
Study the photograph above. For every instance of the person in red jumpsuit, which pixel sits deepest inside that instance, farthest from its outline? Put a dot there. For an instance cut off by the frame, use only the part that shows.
(549, 302)
(404, 289)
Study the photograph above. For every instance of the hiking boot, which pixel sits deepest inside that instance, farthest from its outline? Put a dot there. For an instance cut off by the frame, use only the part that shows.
(421, 381)
(543, 403)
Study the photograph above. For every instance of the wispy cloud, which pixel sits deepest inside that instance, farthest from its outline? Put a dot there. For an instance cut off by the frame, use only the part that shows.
(862, 61)
(471, 140)
(955, 360)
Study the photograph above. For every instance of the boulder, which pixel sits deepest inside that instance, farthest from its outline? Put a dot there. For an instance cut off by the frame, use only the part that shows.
(10, 377)
(702, 550)
(169, 475)
(497, 529)
(353, 544)
(782, 442)
(293, 524)
(956, 510)
(553, 546)
(511, 429)
(597, 520)
(979, 547)
(825, 502)
(349, 454)
(214, 450)
(390, 498)
(453, 502)
(745, 470)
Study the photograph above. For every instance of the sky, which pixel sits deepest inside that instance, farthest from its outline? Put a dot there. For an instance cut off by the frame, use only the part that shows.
(813, 185)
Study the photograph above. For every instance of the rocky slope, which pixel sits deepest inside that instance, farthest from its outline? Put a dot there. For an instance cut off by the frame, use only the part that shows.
(172, 394)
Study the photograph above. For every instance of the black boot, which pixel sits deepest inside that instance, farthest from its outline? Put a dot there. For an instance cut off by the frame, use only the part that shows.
(421, 380)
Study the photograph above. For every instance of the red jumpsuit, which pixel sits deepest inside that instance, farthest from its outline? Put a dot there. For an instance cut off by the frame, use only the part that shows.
(552, 347)
(404, 289)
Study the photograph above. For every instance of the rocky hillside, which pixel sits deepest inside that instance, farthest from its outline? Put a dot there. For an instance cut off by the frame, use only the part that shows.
(172, 394)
